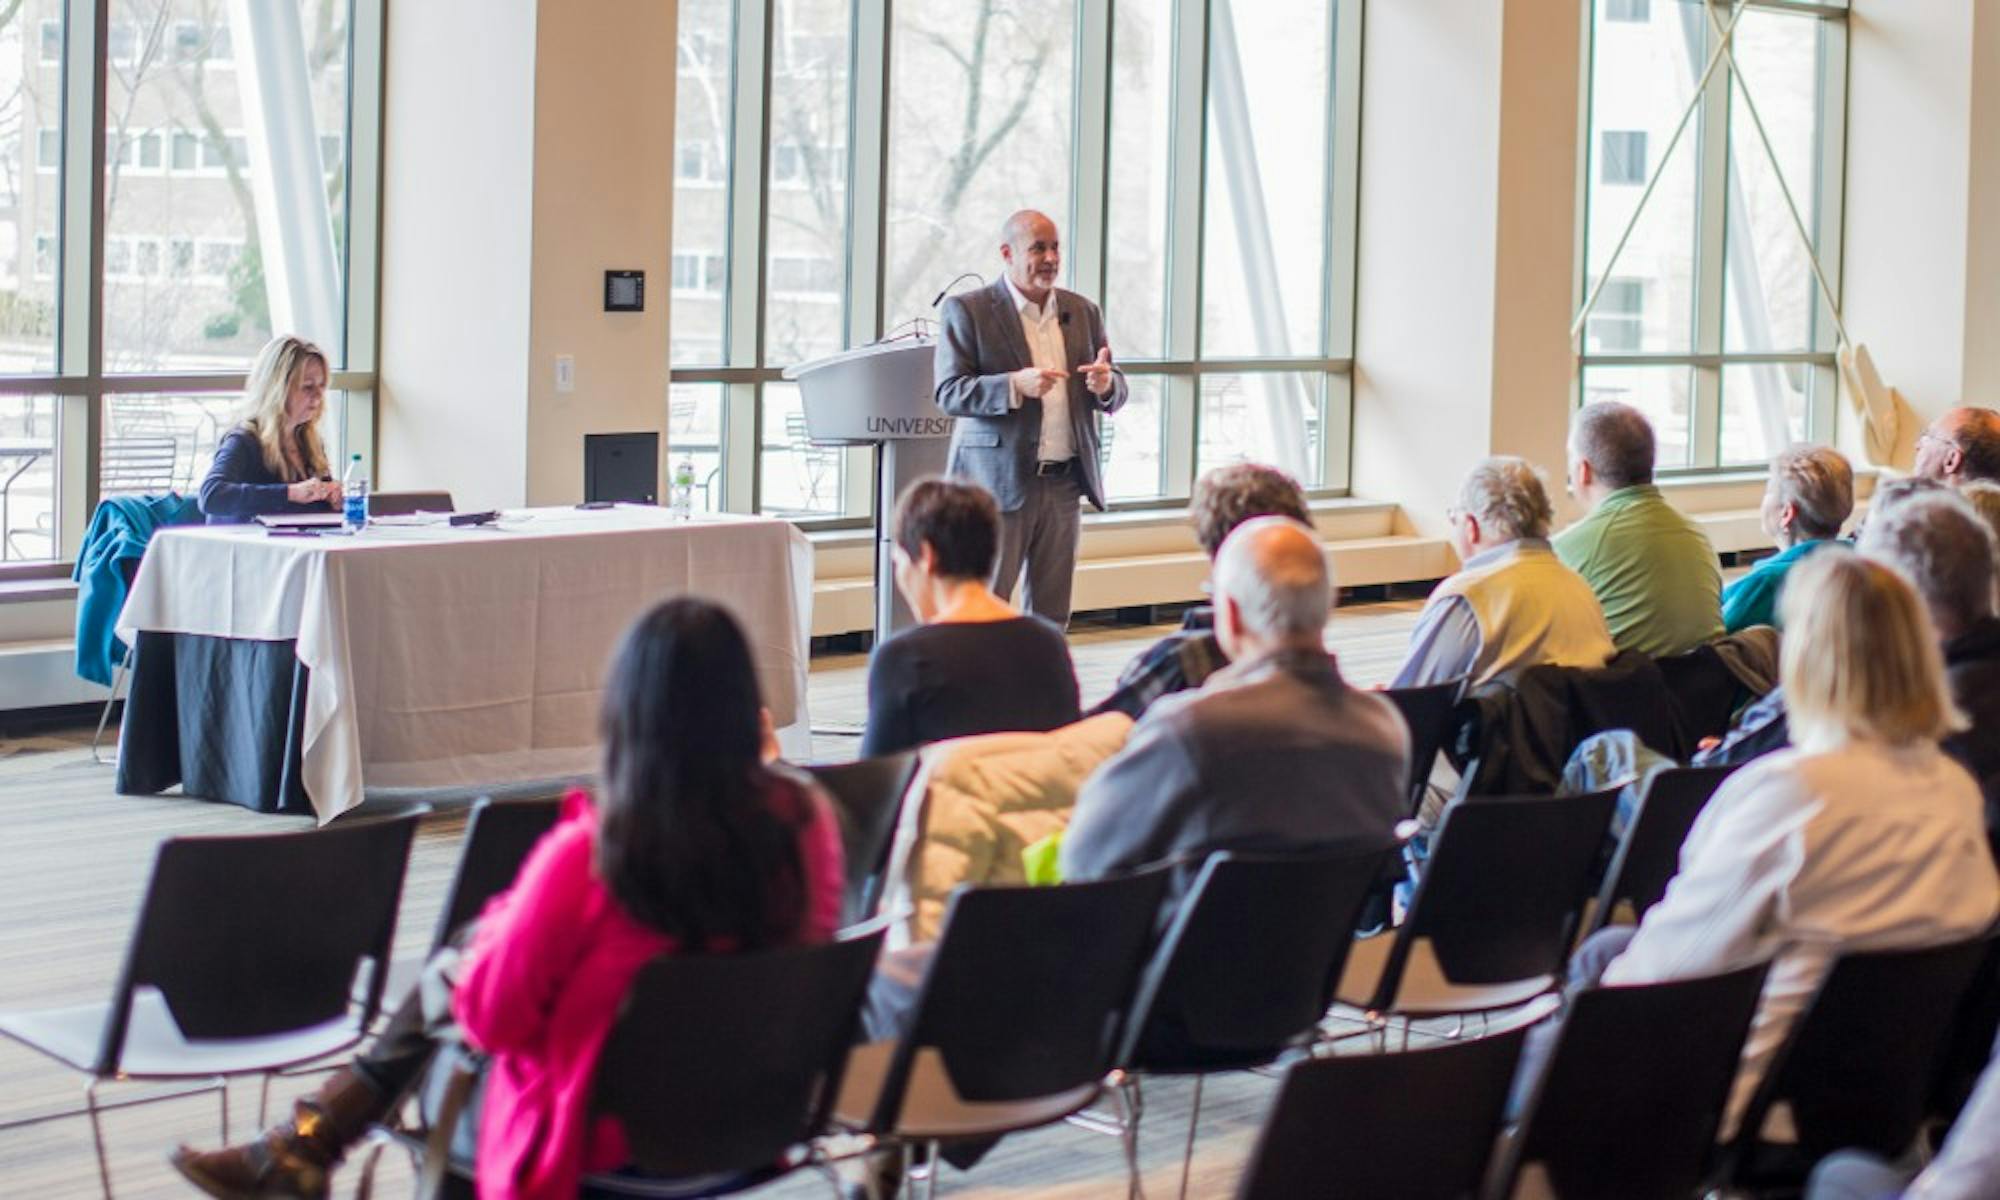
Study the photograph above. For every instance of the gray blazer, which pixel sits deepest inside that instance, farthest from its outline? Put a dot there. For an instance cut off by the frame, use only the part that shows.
(1277, 755)
(992, 443)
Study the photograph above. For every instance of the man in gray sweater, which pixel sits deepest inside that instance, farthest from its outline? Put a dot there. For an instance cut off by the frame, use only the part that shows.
(1275, 753)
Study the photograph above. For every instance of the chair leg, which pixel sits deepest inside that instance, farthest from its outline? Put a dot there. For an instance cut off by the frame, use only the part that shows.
(104, 718)
(264, 1102)
(97, 1136)
(222, 1094)
(1130, 1109)
(1187, 1151)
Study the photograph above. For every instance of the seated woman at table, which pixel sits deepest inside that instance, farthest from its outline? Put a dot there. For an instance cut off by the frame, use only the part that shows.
(273, 461)
(693, 843)
(976, 664)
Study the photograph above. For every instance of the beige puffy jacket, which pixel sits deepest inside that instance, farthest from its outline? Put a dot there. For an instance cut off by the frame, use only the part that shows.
(982, 801)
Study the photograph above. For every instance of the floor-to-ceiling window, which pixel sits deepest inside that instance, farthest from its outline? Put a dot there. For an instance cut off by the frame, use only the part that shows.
(179, 180)
(838, 165)
(1713, 187)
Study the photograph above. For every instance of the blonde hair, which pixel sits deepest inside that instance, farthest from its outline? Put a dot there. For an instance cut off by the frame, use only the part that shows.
(1861, 658)
(272, 378)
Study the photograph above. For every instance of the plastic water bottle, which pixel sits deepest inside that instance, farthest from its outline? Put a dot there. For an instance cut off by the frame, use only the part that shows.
(683, 489)
(354, 496)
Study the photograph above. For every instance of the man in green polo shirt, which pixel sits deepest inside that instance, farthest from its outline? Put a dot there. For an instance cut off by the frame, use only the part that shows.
(1653, 570)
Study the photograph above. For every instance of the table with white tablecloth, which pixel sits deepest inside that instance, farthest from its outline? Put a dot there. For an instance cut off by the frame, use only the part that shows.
(431, 656)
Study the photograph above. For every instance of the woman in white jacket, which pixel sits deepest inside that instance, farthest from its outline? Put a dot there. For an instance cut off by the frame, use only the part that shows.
(1862, 836)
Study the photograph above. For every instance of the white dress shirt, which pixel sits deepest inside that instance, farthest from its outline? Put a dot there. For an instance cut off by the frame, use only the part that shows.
(1045, 347)
(1804, 856)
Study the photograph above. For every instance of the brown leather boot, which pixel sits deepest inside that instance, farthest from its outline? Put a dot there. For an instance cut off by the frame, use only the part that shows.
(291, 1161)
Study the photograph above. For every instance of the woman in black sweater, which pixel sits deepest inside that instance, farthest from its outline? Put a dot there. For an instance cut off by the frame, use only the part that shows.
(975, 665)
(273, 461)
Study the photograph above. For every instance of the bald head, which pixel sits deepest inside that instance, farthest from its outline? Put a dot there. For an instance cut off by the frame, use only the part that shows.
(1961, 446)
(1272, 585)
(1032, 251)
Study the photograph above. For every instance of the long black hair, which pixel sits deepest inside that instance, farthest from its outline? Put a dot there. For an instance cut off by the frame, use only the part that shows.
(695, 837)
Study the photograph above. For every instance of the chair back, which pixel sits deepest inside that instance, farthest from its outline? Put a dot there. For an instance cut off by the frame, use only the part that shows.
(1860, 1064)
(1415, 1125)
(403, 504)
(1027, 988)
(1502, 895)
(1249, 964)
(261, 935)
(138, 464)
(1429, 712)
(1638, 1083)
(1650, 853)
(497, 840)
(868, 797)
(724, 1062)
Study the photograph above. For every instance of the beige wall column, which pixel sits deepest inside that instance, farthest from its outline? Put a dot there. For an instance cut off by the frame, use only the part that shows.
(521, 163)
(1467, 243)
(457, 210)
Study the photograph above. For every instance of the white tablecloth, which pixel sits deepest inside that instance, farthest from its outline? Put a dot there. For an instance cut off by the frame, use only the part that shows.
(446, 657)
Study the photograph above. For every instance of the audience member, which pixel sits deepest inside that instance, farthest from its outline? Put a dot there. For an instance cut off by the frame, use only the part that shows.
(1863, 837)
(1809, 497)
(1223, 499)
(1934, 540)
(1274, 753)
(1512, 604)
(273, 461)
(976, 664)
(1653, 570)
(1961, 446)
(691, 845)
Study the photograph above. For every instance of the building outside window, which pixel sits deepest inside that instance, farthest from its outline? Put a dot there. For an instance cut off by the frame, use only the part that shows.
(183, 301)
(1202, 172)
(1711, 321)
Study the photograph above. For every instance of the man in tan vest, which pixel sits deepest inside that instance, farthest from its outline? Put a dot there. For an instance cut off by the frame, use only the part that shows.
(1513, 604)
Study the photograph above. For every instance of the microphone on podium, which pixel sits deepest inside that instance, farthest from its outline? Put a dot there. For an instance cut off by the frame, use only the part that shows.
(946, 290)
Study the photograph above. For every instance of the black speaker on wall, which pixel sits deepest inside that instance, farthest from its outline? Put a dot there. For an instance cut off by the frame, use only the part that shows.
(621, 467)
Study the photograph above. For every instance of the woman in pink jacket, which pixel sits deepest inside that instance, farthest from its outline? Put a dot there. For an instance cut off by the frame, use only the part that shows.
(693, 844)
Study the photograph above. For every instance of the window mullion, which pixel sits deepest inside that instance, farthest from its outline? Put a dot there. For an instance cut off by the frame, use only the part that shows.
(81, 329)
(1091, 143)
(743, 301)
(1711, 274)
(868, 179)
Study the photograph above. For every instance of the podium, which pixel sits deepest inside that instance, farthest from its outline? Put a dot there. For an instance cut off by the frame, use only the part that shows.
(880, 395)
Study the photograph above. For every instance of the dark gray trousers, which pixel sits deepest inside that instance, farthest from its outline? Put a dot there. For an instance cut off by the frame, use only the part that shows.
(1038, 545)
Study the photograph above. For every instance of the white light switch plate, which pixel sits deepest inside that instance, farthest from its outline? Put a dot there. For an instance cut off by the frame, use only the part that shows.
(565, 372)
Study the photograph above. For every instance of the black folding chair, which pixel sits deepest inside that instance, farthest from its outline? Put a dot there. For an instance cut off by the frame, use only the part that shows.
(497, 839)
(1013, 1024)
(1492, 920)
(1428, 711)
(721, 1069)
(1649, 855)
(868, 796)
(1861, 1062)
(1414, 1125)
(243, 961)
(1247, 968)
(1628, 1105)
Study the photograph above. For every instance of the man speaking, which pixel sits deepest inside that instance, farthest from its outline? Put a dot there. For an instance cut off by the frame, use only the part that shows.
(1025, 369)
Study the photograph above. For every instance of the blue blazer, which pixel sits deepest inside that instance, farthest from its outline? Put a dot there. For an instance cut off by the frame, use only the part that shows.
(239, 486)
